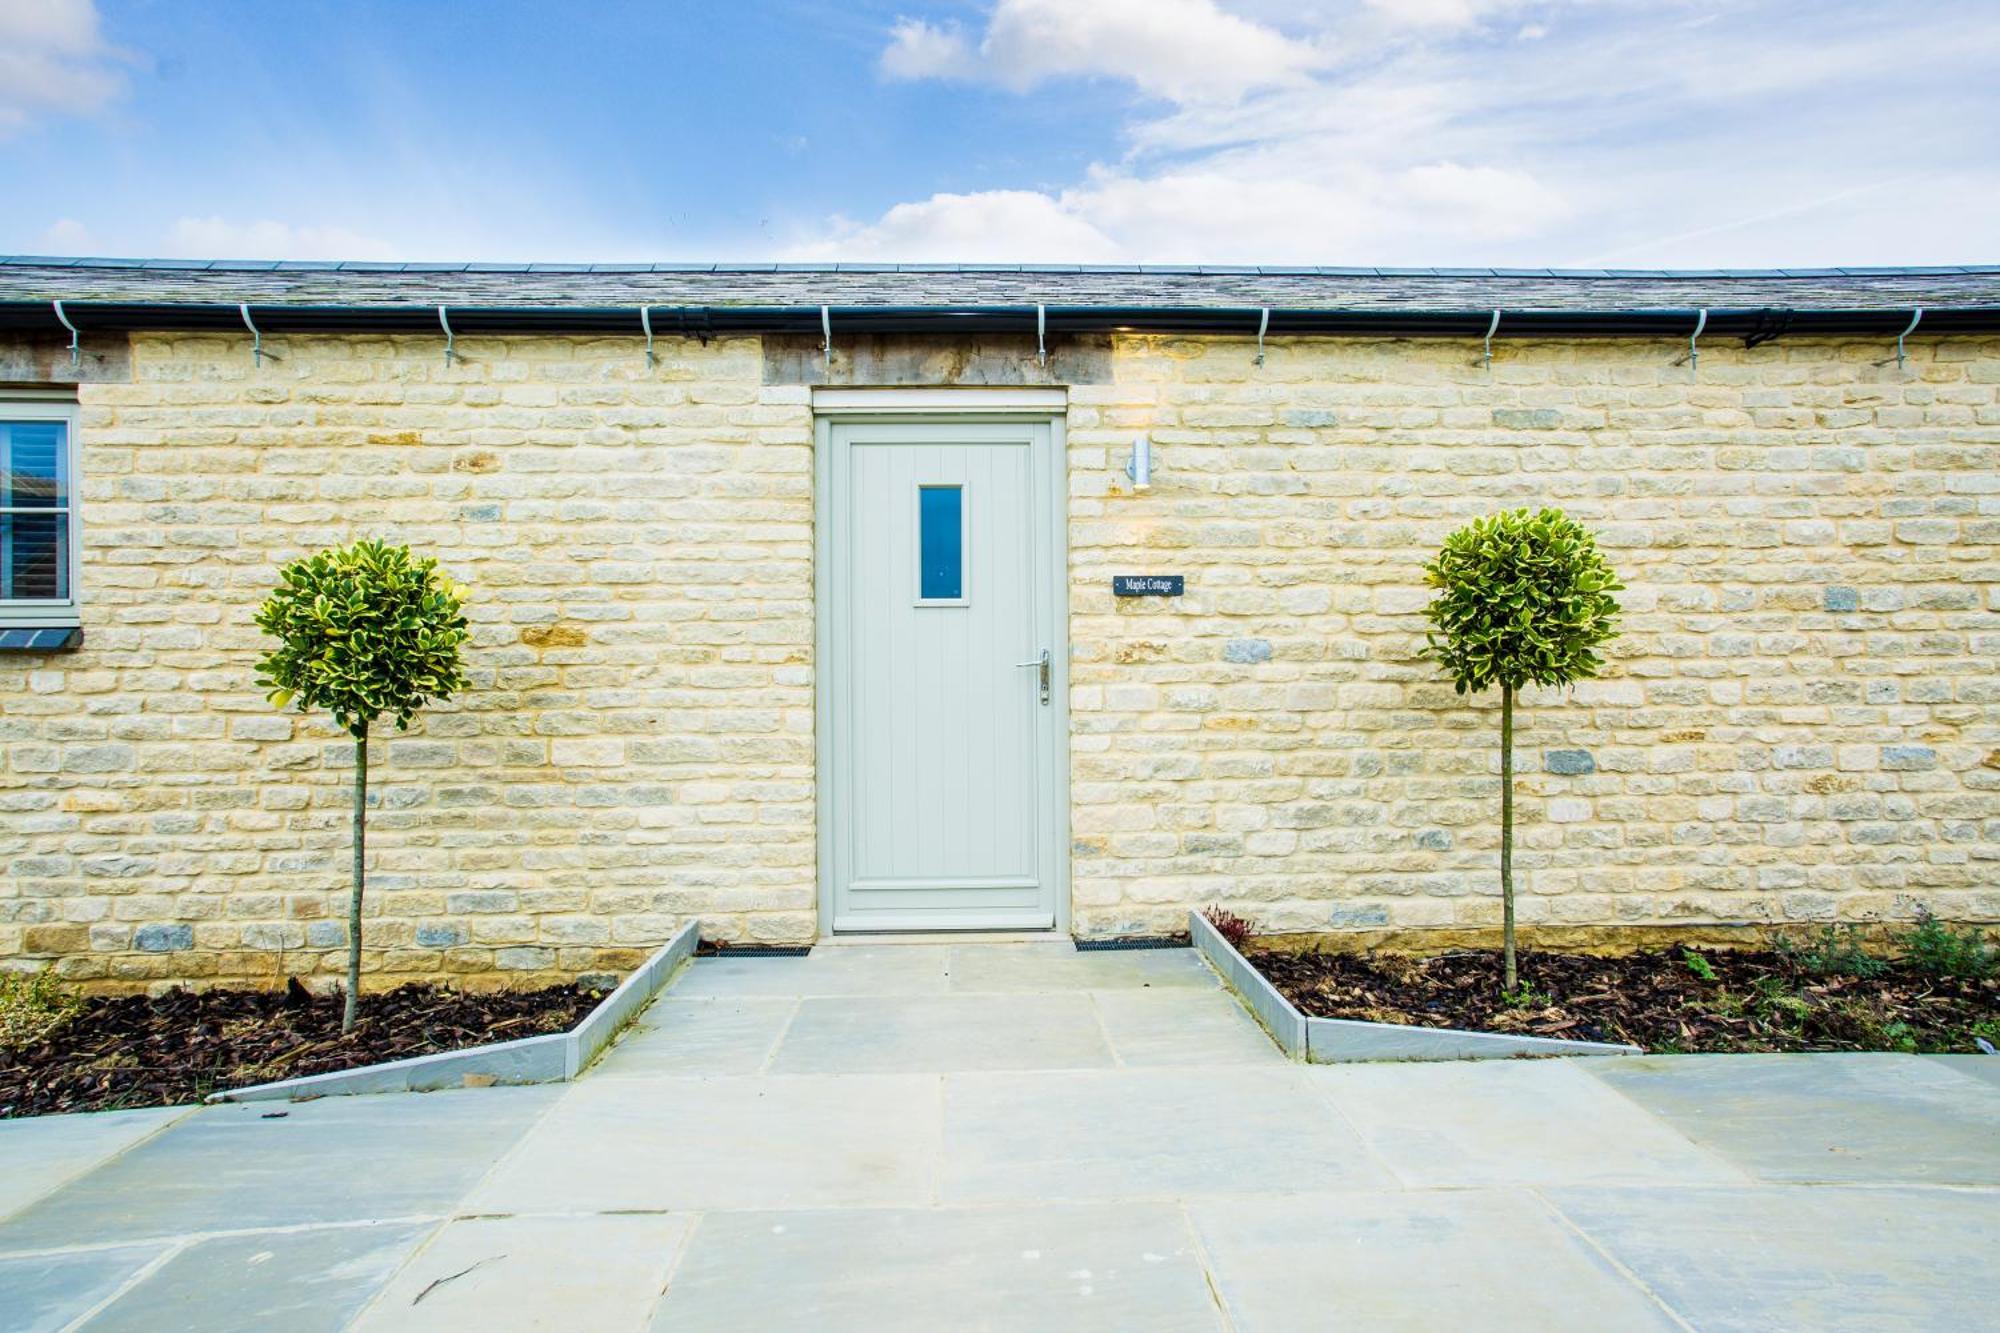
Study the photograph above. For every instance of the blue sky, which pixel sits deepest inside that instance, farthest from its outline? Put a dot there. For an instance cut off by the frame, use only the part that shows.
(1449, 132)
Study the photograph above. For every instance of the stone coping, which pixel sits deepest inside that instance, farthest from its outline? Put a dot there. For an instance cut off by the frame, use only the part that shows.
(554, 1057)
(1343, 1040)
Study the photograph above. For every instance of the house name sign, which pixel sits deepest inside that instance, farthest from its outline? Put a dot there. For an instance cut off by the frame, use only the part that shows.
(1148, 585)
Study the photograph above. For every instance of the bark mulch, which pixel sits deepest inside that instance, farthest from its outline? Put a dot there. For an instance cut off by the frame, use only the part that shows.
(1661, 1001)
(132, 1051)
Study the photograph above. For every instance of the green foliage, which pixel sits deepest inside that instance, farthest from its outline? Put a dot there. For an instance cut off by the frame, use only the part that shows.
(1698, 965)
(1940, 950)
(1525, 996)
(363, 630)
(33, 1005)
(1523, 596)
(1831, 951)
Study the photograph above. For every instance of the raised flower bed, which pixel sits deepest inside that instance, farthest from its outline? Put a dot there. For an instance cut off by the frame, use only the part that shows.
(1931, 991)
(186, 1046)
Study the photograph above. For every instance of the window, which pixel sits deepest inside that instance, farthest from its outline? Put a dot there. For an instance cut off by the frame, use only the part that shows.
(38, 513)
(941, 546)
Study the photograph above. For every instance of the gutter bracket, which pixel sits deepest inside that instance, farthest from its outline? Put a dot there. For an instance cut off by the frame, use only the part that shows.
(1486, 354)
(1041, 335)
(826, 340)
(75, 345)
(1771, 326)
(1692, 357)
(1916, 318)
(698, 327)
(256, 335)
(1263, 327)
(646, 323)
(450, 339)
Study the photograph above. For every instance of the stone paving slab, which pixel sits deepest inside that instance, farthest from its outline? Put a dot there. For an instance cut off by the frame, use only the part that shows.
(898, 1034)
(39, 1153)
(45, 1292)
(1205, 1029)
(1983, 1067)
(894, 969)
(1137, 1133)
(1110, 1267)
(299, 1281)
(1056, 967)
(687, 1144)
(532, 1273)
(1892, 1118)
(1824, 1258)
(234, 1167)
(692, 1038)
(1510, 1123)
(1470, 1259)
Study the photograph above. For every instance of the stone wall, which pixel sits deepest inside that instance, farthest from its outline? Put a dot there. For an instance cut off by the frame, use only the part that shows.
(1801, 722)
(636, 747)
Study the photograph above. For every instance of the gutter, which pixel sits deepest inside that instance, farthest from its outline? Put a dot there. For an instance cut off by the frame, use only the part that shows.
(1753, 325)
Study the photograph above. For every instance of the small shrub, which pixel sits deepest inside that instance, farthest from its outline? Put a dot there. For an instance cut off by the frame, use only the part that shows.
(34, 1005)
(1524, 597)
(1228, 925)
(1937, 949)
(363, 631)
(1832, 951)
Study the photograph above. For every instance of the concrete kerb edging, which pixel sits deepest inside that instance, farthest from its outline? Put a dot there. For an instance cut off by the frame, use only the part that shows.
(1342, 1040)
(553, 1058)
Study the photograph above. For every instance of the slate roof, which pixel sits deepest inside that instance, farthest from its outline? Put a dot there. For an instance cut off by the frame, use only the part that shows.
(27, 279)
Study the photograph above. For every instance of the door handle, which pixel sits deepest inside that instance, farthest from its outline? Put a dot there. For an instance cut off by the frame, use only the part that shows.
(1044, 671)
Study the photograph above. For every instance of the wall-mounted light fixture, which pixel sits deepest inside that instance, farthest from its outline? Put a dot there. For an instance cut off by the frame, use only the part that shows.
(1139, 467)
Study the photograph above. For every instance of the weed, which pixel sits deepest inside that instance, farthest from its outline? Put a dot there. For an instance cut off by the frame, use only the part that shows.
(33, 1005)
(1832, 951)
(1525, 996)
(1776, 1002)
(1700, 966)
(1228, 925)
(1937, 949)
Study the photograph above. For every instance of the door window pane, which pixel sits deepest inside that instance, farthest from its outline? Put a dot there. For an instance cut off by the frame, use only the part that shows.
(941, 543)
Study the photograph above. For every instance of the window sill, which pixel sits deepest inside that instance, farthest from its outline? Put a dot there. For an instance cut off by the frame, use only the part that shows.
(40, 638)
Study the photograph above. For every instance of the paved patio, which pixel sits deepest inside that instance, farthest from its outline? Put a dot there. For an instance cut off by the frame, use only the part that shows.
(1022, 1136)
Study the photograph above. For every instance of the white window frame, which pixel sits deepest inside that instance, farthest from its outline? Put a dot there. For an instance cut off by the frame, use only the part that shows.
(40, 612)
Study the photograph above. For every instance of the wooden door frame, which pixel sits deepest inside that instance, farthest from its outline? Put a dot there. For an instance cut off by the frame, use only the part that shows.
(949, 407)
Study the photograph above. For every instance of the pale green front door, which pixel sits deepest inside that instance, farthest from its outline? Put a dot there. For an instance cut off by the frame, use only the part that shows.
(940, 717)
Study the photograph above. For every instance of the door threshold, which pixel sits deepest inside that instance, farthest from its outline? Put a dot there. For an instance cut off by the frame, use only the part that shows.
(875, 938)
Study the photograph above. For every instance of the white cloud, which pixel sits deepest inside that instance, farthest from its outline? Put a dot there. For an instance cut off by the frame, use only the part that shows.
(53, 60)
(1000, 226)
(1444, 14)
(219, 238)
(918, 50)
(1459, 132)
(1183, 50)
(67, 236)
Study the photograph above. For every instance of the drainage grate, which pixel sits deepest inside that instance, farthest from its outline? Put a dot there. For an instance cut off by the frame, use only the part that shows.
(1118, 943)
(753, 951)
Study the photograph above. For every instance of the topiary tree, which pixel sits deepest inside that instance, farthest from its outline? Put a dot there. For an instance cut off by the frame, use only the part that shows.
(362, 630)
(1523, 597)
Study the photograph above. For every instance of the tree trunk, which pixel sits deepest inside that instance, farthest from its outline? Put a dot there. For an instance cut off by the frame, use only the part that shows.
(1506, 835)
(354, 899)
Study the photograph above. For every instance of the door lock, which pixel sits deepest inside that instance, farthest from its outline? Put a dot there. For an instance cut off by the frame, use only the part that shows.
(1044, 669)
